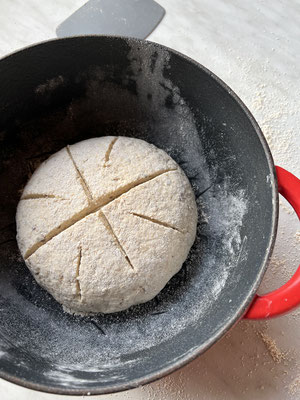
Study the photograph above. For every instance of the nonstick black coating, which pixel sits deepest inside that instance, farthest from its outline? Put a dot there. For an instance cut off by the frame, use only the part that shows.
(63, 91)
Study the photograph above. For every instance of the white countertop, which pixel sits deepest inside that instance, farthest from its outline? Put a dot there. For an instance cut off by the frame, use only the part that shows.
(254, 47)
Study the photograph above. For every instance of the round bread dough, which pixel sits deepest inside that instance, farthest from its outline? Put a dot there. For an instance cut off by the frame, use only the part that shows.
(105, 223)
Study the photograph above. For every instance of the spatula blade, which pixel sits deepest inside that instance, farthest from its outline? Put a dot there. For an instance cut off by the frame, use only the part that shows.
(134, 18)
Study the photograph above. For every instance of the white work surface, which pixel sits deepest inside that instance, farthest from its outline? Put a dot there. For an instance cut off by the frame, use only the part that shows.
(255, 48)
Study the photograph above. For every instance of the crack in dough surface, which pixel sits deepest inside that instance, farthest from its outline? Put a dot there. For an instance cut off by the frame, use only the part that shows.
(78, 273)
(82, 181)
(109, 150)
(155, 221)
(41, 196)
(111, 231)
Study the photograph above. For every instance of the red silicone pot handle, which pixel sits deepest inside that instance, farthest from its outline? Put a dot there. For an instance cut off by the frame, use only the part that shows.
(287, 297)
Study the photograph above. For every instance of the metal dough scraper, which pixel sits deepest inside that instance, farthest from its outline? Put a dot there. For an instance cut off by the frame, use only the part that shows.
(135, 18)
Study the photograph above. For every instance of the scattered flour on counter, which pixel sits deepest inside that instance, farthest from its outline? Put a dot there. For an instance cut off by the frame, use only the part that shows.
(288, 210)
(294, 387)
(277, 355)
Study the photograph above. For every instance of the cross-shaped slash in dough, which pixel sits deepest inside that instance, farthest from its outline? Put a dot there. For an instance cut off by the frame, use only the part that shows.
(131, 196)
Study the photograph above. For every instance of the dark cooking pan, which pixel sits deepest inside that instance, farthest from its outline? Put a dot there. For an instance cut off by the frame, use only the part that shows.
(63, 91)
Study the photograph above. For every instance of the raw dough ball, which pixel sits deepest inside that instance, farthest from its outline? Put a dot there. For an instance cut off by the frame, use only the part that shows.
(105, 223)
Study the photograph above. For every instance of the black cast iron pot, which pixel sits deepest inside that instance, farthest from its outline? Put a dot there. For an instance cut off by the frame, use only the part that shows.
(64, 91)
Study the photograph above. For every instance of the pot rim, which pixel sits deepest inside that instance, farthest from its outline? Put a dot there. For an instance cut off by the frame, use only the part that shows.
(243, 307)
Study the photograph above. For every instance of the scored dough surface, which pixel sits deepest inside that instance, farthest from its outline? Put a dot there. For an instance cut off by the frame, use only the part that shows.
(105, 223)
